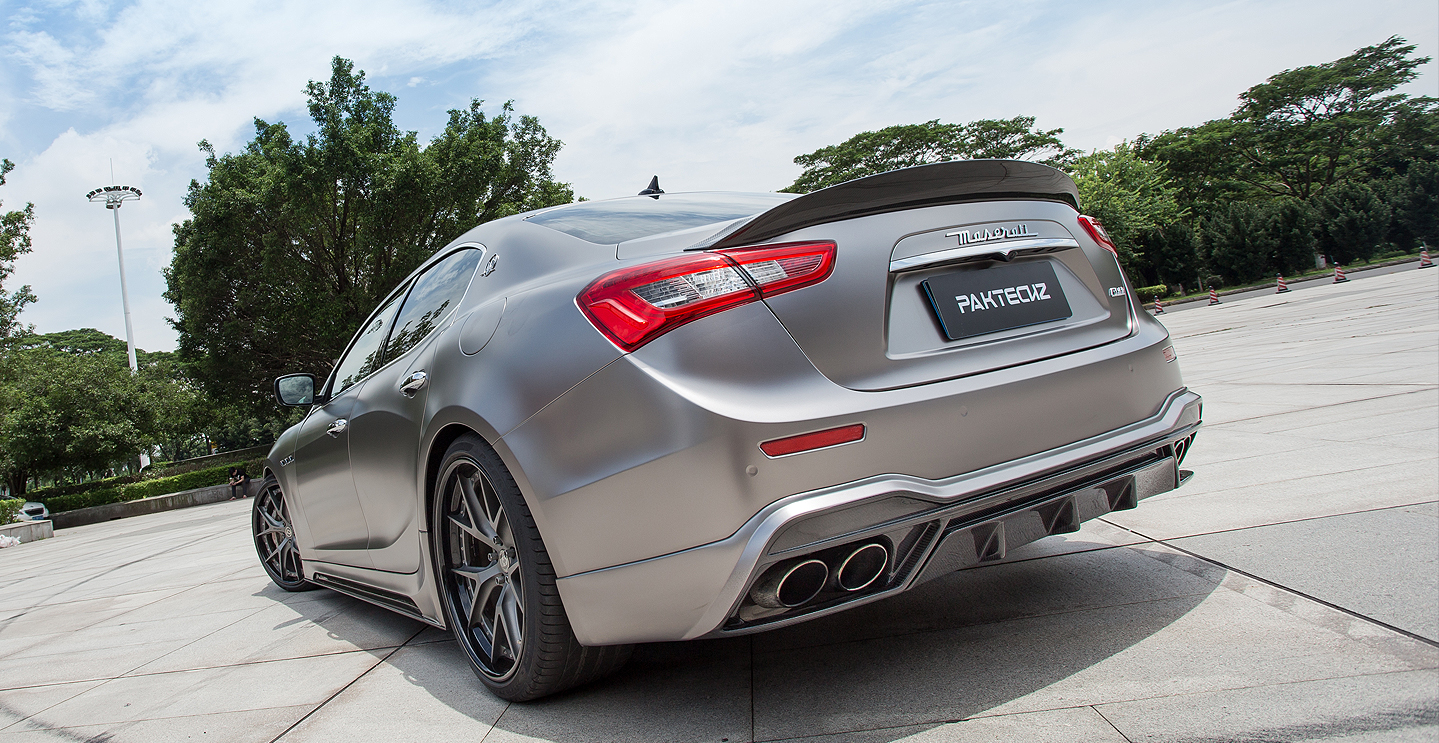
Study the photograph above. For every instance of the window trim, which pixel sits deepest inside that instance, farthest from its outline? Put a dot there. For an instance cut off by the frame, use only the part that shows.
(402, 294)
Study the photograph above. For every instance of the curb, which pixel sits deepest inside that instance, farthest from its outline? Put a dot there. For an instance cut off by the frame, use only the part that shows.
(29, 531)
(142, 506)
(1290, 282)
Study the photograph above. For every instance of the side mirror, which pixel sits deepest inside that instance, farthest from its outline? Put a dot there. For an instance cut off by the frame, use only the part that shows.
(295, 390)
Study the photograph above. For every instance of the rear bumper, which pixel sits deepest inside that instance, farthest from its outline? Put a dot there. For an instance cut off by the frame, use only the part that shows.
(931, 527)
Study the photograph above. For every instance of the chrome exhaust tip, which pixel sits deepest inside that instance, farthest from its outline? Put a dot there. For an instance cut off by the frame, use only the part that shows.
(862, 567)
(785, 587)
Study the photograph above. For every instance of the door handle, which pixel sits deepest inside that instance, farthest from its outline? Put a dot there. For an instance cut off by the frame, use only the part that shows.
(414, 383)
(338, 427)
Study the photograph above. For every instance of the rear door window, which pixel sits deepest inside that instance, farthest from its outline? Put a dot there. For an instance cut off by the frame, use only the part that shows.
(365, 354)
(436, 294)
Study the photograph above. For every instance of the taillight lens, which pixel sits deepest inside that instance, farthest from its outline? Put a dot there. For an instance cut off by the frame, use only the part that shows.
(632, 306)
(1098, 233)
(776, 269)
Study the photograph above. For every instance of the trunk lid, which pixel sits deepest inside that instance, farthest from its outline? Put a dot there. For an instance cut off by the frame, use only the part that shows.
(945, 271)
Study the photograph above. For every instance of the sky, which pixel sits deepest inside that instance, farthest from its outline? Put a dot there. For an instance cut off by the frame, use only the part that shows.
(709, 96)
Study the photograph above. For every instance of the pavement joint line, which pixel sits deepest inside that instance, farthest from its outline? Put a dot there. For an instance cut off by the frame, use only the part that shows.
(1094, 706)
(496, 724)
(342, 689)
(1282, 587)
(1112, 726)
(107, 679)
(1322, 407)
(1300, 478)
(1256, 526)
(131, 673)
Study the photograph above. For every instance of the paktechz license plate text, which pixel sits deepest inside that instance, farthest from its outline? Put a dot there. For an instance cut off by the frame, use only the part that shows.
(988, 300)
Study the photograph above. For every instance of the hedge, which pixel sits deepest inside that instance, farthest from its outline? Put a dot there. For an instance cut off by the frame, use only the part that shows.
(9, 507)
(1151, 293)
(217, 475)
(159, 470)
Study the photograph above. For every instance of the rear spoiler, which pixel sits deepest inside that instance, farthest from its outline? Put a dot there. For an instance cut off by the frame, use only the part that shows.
(910, 188)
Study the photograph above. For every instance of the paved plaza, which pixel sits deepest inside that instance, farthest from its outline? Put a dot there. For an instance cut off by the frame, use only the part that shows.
(1288, 592)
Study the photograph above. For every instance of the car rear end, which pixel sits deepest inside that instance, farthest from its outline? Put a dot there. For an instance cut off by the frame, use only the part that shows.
(854, 392)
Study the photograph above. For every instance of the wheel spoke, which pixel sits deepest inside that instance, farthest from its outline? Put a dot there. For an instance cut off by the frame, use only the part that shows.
(476, 576)
(507, 615)
(472, 531)
(480, 516)
(507, 625)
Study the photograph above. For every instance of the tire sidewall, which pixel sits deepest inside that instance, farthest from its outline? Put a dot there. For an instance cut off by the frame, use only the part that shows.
(255, 525)
(530, 552)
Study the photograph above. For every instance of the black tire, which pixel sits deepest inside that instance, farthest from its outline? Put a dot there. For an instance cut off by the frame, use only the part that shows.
(274, 535)
(494, 573)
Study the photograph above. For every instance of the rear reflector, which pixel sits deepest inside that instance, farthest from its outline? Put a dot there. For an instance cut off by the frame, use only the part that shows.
(1098, 233)
(812, 441)
(632, 306)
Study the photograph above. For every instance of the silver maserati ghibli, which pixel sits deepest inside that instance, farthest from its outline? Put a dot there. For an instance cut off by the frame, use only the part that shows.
(686, 415)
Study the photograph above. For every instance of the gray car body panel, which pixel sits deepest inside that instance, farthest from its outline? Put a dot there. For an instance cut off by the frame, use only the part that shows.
(647, 463)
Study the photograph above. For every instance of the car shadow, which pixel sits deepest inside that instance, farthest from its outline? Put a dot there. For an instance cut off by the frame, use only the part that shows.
(948, 650)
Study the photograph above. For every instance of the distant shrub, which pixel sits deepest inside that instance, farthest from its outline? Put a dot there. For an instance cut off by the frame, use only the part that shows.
(9, 507)
(1151, 293)
(217, 475)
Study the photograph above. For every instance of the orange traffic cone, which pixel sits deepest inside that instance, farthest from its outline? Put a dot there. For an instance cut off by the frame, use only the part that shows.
(1282, 287)
(1424, 261)
(1339, 274)
(1158, 306)
(1213, 297)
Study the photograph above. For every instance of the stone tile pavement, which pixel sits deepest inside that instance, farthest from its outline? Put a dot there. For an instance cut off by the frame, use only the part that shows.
(1287, 593)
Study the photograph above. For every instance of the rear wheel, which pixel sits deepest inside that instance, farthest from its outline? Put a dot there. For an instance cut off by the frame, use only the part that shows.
(498, 586)
(275, 538)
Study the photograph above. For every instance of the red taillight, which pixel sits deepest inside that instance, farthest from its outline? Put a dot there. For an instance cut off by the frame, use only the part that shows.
(812, 441)
(631, 306)
(1098, 233)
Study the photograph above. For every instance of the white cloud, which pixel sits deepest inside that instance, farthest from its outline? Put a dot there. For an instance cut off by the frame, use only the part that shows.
(705, 95)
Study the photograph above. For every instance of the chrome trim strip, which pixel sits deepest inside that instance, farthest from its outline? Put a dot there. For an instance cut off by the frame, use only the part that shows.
(1006, 249)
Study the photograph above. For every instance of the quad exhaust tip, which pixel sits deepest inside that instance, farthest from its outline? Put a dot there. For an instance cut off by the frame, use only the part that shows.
(862, 567)
(792, 584)
(788, 587)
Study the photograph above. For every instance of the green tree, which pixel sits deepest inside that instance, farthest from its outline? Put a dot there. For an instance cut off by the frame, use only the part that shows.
(908, 145)
(1305, 130)
(290, 244)
(70, 413)
(14, 242)
(1237, 243)
(1414, 201)
(1131, 196)
(1353, 222)
(1171, 255)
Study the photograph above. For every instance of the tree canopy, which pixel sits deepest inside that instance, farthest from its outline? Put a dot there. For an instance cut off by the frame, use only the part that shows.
(1129, 195)
(1306, 129)
(908, 145)
(14, 242)
(291, 243)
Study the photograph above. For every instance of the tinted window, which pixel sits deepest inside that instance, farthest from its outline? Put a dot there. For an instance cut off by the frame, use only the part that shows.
(364, 356)
(435, 295)
(618, 220)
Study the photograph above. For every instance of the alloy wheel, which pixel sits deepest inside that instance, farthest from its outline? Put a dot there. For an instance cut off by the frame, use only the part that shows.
(480, 565)
(275, 538)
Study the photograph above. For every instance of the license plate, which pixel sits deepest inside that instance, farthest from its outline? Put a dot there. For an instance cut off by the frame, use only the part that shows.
(988, 300)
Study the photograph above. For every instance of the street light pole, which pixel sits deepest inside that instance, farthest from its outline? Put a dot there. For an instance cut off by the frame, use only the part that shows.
(114, 197)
